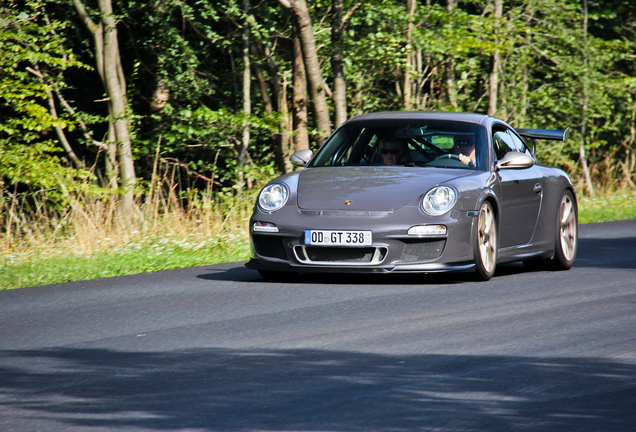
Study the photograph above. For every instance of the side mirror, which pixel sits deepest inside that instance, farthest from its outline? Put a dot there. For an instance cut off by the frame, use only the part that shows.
(515, 160)
(301, 158)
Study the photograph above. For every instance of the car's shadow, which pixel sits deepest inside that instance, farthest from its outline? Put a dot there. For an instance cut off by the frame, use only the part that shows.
(237, 273)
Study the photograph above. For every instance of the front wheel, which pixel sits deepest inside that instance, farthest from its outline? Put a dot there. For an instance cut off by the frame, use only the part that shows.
(567, 238)
(486, 244)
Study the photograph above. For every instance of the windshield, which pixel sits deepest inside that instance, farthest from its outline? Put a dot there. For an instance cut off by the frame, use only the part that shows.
(424, 143)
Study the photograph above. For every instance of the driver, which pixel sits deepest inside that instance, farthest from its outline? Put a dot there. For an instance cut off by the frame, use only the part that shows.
(464, 148)
(392, 151)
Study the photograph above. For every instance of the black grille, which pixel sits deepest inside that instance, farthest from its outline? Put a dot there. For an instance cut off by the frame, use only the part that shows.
(423, 250)
(269, 246)
(336, 254)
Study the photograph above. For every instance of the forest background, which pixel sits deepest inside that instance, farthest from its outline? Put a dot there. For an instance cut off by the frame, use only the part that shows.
(134, 134)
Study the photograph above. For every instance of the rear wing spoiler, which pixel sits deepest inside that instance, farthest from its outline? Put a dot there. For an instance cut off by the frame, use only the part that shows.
(546, 134)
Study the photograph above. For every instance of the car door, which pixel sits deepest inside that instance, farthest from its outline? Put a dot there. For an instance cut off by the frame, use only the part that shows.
(521, 193)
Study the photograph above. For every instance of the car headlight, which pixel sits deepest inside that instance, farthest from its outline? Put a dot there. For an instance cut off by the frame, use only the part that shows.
(273, 197)
(439, 200)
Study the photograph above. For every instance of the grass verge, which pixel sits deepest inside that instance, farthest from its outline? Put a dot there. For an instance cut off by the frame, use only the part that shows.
(87, 240)
(31, 269)
(179, 240)
(607, 207)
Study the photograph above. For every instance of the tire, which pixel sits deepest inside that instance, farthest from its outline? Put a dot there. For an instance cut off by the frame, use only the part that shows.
(567, 230)
(565, 238)
(486, 243)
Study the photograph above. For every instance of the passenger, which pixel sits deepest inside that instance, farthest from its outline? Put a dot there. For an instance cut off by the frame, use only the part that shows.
(464, 148)
(392, 151)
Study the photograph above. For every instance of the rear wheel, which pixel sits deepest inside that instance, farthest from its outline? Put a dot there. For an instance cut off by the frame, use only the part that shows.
(486, 244)
(567, 238)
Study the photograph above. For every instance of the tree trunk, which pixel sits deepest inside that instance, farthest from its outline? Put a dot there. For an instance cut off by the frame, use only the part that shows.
(317, 88)
(451, 87)
(280, 136)
(277, 101)
(525, 73)
(408, 70)
(299, 106)
(110, 71)
(261, 50)
(112, 167)
(337, 65)
(247, 77)
(284, 147)
(263, 86)
(116, 90)
(582, 156)
(493, 79)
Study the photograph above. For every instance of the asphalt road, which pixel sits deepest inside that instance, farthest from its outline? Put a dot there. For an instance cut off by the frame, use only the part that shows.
(218, 348)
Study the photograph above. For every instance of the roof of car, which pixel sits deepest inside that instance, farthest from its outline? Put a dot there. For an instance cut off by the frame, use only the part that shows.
(420, 115)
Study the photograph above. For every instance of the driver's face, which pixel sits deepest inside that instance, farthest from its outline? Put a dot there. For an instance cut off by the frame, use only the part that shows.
(467, 148)
(390, 156)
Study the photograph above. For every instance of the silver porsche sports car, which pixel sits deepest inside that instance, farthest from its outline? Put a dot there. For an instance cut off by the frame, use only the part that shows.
(417, 192)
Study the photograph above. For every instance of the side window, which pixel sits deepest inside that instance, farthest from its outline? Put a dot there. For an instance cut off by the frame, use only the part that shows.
(519, 144)
(503, 144)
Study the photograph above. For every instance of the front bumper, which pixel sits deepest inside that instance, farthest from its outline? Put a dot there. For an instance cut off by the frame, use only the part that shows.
(392, 250)
(270, 265)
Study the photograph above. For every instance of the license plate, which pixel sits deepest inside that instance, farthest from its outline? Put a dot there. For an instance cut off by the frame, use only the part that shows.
(338, 238)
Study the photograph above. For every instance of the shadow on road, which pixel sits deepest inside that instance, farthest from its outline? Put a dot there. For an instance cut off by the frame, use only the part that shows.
(241, 274)
(617, 253)
(235, 272)
(314, 390)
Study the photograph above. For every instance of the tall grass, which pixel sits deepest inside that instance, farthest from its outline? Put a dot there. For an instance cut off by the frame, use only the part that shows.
(87, 238)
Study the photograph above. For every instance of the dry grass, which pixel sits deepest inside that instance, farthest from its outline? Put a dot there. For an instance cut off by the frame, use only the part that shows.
(164, 232)
(88, 224)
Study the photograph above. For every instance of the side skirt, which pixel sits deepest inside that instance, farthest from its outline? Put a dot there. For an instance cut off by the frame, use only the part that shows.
(523, 252)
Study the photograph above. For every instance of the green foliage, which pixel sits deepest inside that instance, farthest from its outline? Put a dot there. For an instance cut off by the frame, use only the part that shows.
(29, 43)
(554, 74)
(375, 48)
(573, 79)
(193, 47)
(213, 137)
(39, 164)
(176, 41)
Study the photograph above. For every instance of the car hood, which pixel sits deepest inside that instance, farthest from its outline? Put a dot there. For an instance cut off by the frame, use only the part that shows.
(367, 188)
